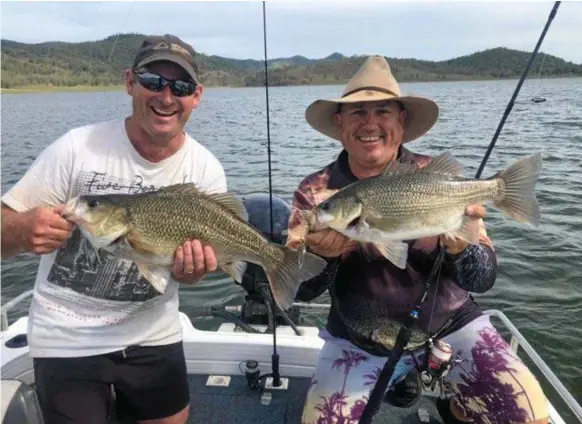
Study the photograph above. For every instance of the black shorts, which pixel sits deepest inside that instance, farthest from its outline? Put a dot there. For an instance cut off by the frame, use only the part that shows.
(149, 383)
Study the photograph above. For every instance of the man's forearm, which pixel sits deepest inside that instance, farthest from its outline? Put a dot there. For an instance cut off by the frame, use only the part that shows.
(12, 234)
(475, 269)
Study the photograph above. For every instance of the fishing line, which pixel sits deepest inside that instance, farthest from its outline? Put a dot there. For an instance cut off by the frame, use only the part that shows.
(377, 394)
(268, 122)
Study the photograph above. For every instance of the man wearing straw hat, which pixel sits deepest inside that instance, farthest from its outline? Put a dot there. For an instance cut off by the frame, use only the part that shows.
(488, 383)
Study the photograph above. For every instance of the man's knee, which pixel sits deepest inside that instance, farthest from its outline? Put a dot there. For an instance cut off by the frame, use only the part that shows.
(512, 394)
(178, 418)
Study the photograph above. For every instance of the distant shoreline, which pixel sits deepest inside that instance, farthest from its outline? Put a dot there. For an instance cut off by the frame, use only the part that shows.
(106, 88)
(60, 89)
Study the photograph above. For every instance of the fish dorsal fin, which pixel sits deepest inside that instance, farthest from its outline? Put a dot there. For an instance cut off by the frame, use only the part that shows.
(231, 202)
(444, 163)
(226, 199)
(182, 188)
(396, 167)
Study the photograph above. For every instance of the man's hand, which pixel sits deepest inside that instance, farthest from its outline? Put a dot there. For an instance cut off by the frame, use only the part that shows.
(192, 261)
(329, 243)
(43, 230)
(455, 245)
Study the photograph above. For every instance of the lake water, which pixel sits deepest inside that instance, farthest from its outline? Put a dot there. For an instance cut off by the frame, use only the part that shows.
(540, 277)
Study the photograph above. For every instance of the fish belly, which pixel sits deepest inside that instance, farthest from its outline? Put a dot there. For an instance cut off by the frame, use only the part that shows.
(411, 228)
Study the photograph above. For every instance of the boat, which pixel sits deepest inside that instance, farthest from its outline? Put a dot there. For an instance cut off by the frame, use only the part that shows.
(221, 364)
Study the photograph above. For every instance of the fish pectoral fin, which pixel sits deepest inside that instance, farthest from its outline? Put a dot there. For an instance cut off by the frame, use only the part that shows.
(231, 202)
(158, 276)
(396, 252)
(444, 164)
(236, 270)
(468, 232)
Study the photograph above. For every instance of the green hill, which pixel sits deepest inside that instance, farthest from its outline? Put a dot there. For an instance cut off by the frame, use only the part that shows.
(101, 63)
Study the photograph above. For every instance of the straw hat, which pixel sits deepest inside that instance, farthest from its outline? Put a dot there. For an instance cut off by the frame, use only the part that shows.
(373, 82)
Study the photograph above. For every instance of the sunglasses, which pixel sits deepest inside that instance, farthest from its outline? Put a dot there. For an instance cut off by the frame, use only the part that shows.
(158, 83)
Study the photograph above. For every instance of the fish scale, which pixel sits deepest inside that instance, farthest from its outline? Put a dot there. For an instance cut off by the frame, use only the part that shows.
(190, 226)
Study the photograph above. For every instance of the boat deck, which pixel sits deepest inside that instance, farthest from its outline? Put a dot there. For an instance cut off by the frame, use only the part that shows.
(237, 404)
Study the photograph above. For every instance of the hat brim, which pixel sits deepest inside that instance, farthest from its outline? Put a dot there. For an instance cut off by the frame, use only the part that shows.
(174, 59)
(422, 113)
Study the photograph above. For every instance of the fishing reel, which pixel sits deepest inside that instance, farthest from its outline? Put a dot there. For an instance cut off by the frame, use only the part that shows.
(437, 363)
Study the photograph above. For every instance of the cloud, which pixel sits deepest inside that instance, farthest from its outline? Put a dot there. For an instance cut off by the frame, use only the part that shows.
(431, 30)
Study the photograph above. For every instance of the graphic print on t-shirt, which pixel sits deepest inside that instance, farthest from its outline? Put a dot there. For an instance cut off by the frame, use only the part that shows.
(98, 274)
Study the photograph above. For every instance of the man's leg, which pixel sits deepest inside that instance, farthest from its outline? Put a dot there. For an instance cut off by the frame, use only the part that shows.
(74, 390)
(152, 383)
(491, 385)
(344, 377)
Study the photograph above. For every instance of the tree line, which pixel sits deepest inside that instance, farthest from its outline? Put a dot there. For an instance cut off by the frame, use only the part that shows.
(101, 63)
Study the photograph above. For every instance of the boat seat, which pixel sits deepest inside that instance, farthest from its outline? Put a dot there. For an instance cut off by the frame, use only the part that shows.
(19, 404)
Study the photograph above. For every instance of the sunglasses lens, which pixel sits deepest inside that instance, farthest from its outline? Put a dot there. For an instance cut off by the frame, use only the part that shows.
(152, 82)
(183, 88)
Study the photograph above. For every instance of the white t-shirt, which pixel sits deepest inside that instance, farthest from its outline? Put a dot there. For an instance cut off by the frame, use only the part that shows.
(89, 304)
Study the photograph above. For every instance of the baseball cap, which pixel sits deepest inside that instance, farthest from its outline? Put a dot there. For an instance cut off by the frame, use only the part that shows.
(167, 47)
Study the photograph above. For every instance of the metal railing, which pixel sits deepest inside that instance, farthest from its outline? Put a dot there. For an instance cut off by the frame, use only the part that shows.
(9, 305)
(518, 340)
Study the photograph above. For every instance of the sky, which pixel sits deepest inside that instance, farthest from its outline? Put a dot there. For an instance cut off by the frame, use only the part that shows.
(430, 30)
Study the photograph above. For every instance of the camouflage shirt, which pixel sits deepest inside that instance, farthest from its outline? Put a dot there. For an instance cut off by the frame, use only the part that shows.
(373, 288)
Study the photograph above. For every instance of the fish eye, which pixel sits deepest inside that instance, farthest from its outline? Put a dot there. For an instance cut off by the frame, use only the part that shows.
(93, 203)
(325, 205)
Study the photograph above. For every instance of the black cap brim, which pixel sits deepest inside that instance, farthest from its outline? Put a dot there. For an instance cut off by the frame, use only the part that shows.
(171, 58)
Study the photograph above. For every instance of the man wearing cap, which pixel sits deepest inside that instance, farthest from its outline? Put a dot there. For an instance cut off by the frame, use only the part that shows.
(94, 323)
(373, 121)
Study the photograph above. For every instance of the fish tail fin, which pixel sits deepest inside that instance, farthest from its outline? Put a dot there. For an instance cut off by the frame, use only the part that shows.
(518, 199)
(295, 268)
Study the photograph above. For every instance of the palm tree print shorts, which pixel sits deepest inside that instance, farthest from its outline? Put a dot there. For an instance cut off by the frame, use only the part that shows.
(491, 384)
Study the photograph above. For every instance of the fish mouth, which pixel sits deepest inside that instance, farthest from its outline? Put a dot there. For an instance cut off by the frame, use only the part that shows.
(324, 217)
(354, 222)
(331, 221)
(71, 210)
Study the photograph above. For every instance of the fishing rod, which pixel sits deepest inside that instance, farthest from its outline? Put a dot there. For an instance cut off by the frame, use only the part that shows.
(377, 394)
(275, 355)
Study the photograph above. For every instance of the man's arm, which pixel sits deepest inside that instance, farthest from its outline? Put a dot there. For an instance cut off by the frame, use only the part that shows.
(475, 268)
(39, 230)
(13, 237)
(31, 220)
